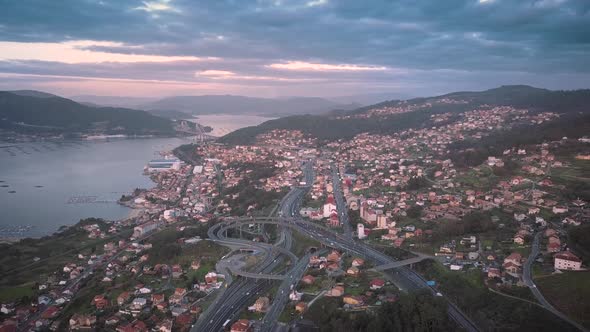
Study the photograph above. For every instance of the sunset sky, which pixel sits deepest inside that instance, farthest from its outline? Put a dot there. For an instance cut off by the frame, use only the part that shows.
(285, 47)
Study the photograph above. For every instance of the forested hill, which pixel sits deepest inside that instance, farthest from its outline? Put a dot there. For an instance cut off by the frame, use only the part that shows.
(41, 113)
(416, 112)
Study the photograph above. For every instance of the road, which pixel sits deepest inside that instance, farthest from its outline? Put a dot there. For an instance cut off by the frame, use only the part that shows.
(528, 280)
(282, 296)
(243, 291)
(340, 202)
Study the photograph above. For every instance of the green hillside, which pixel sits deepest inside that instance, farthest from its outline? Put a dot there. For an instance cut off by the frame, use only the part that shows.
(31, 113)
(334, 126)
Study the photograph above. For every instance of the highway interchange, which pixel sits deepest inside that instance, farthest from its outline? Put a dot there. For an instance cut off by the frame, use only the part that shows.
(243, 291)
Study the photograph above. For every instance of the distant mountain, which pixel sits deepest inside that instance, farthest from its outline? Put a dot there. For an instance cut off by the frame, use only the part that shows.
(229, 104)
(175, 115)
(36, 112)
(113, 101)
(337, 125)
(369, 98)
(33, 93)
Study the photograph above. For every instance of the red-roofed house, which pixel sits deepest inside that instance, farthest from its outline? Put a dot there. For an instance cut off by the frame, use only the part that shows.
(565, 260)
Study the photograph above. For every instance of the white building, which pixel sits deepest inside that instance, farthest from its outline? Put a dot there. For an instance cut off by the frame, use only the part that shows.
(141, 230)
(329, 207)
(360, 229)
(158, 165)
(565, 260)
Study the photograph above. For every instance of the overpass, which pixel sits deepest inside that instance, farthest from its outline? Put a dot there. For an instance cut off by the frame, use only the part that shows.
(401, 263)
(253, 275)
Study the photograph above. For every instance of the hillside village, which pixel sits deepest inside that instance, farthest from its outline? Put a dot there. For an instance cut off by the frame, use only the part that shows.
(404, 193)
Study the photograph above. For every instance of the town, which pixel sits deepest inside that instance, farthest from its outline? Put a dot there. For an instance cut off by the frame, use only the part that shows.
(506, 223)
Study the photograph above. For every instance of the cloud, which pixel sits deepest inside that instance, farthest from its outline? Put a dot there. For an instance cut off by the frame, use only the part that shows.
(80, 51)
(315, 3)
(157, 6)
(307, 66)
(215, 73)
(289, 43)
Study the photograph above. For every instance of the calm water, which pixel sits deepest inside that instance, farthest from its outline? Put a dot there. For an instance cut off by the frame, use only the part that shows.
(224, 123)
(48, 177)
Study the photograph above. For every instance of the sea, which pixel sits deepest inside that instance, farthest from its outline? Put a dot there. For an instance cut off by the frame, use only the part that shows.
(46, 185)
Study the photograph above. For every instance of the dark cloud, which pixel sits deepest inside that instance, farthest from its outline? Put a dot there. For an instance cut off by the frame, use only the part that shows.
(501, 39)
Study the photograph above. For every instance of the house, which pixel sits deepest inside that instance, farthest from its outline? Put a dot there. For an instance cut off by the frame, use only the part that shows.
(336, 291)
(184, 321)
(515, 258)
(329, 207)
(308, 279)
(377, 284)
(138, 303)
(519, 239)
(78, 321)
(50, 312)
(176, 271)
(157, 298)
(300, 307)
(242, 325)
(123, 297)
(553, 247)
(295, 295)
(112, 321)
(565, 260)
(211, 278)
(455, 267)
(494, 272)
(358, 262)
(100, 302)
(353, 271)
(334, 256)
(165, 326)
(261, 304)
(549, 232)
(353, 300)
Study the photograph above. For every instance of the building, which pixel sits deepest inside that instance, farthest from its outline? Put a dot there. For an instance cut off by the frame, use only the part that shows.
(158, 165)
(329, 207)
(381, 221)
(377, 283)
(360, 229)
(565, 260)
(144, 229)
(261, 305)
(242, 325)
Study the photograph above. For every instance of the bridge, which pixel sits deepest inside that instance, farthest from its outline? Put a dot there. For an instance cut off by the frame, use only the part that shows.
(401, 263)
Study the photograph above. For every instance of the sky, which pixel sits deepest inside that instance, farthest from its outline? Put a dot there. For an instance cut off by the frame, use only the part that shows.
(271, 48)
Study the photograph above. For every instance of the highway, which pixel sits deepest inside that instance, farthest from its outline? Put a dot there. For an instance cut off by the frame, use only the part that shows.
(340, 202)
(528, 280)
(403, 277)
(244, 291)
(282, 296)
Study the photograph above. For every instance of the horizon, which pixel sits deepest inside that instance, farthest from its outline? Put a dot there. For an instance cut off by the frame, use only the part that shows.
(273, 49)
(78, 97)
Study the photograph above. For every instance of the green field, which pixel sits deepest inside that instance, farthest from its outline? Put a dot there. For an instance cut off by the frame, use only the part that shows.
(14, 293)
(569, 293)
(488, 310)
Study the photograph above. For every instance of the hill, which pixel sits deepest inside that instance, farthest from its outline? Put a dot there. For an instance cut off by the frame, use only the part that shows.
(37, 112)
(391, 116)
(113, 101)
(228, 104)
(33, 93)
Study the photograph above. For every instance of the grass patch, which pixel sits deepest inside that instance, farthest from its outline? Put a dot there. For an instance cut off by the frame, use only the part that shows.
(569, 293)
(15, 293)
(491, 312)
